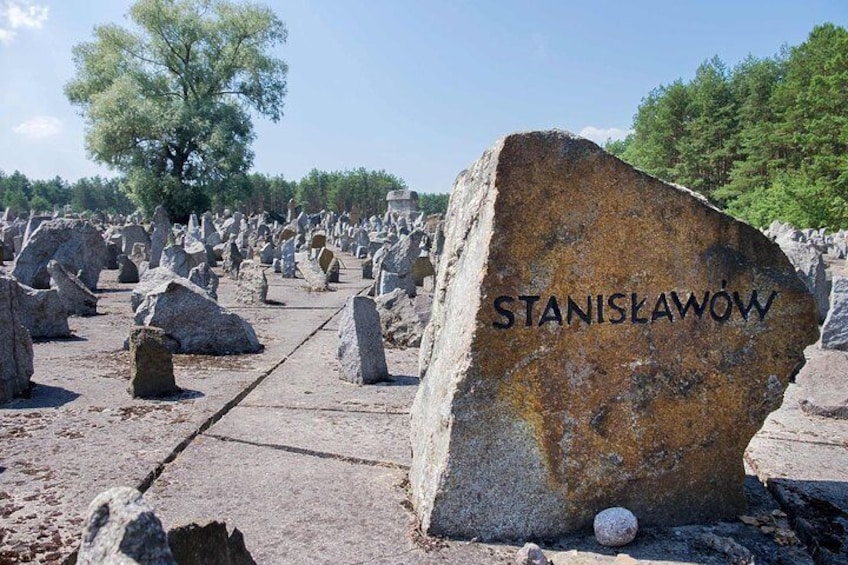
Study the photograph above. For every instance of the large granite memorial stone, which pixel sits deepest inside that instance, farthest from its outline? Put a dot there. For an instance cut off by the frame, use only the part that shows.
(598, 338)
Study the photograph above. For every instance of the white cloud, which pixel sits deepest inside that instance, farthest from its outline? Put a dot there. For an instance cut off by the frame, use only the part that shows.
(601, 135)
(39, 127)
(20, 14)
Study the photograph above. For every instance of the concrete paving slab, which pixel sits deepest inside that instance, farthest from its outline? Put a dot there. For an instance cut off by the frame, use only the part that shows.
(803, 457)
(309, 379)
(372, 437)
(295, 508)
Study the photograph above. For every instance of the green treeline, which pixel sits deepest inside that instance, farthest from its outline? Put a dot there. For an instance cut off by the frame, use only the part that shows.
(766, 140)
(338, 191)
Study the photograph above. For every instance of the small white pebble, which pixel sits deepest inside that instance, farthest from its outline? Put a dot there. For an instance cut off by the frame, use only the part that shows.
(530, 554)
(615, 526)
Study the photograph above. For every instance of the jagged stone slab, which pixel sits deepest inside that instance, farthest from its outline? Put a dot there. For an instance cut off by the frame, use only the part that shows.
(76, 297)
(76, 244)
(598, 338)
(121, 528)
(15, 343)
(199, 325)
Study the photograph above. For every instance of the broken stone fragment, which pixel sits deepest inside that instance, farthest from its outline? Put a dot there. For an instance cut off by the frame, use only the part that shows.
(120, 527)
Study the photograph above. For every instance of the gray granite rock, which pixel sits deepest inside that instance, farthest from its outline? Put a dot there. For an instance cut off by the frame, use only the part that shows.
(360, 352)
(121, 529)
(191, 317)
(834, 332)
(151, 363)
(15, 343)
(159, 239)
(287, 257)
(530, 554)
(809, 265)
(252, 284)
(232, 259)
(127, 270)
(175, 258)
(204, 277)
(400, 323)
(76, 244)
(43, 313)
(78, 300)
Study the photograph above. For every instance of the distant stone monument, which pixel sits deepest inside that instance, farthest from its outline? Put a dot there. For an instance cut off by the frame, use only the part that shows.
(402, 201)
(599, 338)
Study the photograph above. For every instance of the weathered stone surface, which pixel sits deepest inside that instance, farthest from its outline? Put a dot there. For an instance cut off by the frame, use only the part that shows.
(198, 324)
(208, 544)
(151, 364)
(266, 254)
(360, 353)
(325, 257)
(637, 377)
(175, 258)
(809, 265)
(232, 259)
(615, 526)
(78, 300)
(121, 528)
(399, 321)
(530, 554)
(127, 270)
(333, 271)
(76, 244)
(15, 343)
(314, 276)
(834, 333)
(159, 239)
(43, 313)
(252, 284)
(289, 266)
(421, 269)
(132, 234)
(204, 277)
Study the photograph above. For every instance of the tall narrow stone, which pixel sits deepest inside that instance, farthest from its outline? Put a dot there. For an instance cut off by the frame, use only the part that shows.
(15, 343)
(161, 231)
(360, 353)
(617, 346)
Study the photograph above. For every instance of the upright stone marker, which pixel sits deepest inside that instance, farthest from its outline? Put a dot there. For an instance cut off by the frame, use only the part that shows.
(599, 338)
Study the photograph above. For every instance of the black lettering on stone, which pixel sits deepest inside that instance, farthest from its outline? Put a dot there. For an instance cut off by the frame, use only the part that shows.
(622, 313)
(585, 315)
(600, 309)
(634, 309)
(510, 317)
(551, 313)
(661, 309)
(754, 302)
(692, 303)
(719, 298)
(529, 301)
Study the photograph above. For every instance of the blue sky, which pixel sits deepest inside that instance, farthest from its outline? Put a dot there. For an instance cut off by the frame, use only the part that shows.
(418, 88)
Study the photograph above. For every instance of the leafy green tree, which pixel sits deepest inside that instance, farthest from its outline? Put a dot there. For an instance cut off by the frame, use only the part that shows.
(438, 203)
(168, 103)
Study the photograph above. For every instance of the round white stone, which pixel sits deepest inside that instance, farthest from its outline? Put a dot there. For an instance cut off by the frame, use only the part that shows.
(615, 526)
